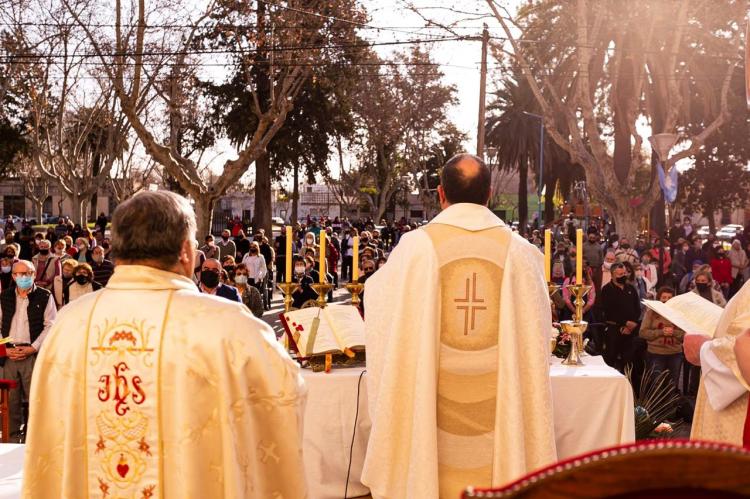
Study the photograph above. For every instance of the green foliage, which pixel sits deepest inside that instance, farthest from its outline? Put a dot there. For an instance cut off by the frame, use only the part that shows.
(719, 179)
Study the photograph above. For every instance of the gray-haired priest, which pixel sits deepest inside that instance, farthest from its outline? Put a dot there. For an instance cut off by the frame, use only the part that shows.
(138, 393)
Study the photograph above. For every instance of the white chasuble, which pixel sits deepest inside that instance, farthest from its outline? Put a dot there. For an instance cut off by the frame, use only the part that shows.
(730, 423)
(457, 328)
(149, 389)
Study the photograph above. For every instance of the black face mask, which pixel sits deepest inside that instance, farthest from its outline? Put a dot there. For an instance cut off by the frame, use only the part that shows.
(209, 279)
(229, 268)
(82, 279)
(621, 280)
(225, 238)
(625, 246)
(702, 286)
(44, 252)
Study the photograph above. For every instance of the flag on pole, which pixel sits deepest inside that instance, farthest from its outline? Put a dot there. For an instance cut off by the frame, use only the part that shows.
(668, 183)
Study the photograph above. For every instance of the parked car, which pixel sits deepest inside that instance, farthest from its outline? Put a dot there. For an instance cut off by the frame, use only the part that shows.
(729, 232)
(278, 221)
(703, 231)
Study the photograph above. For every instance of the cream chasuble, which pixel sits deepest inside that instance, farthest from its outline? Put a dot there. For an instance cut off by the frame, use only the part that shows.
(457, 328)
(149, 389)
(728, 424)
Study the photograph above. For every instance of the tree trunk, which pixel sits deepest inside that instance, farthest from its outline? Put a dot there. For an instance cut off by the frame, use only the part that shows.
(295, 196)
(77, 210)
(626, 220)
(204, 214)
(523, 194)
(262, 215)
(39, 205)
(709, 214)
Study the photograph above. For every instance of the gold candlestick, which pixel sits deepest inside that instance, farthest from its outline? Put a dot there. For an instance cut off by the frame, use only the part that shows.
(355, 289)
(552, 288)
(288, 288)
(576, 327)
(322, 288)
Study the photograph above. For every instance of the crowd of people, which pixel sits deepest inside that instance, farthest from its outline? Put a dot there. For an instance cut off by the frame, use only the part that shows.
(624, 273)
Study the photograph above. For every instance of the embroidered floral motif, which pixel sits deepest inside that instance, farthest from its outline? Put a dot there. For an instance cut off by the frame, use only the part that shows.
(144, 447)
(104, 487)
(148, 492)
(100, 445)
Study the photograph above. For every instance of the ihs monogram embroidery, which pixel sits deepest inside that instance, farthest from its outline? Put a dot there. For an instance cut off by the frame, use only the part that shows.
(121, 365)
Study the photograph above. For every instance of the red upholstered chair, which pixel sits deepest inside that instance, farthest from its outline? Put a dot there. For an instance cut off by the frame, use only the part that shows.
(648, 470)
(6, 385)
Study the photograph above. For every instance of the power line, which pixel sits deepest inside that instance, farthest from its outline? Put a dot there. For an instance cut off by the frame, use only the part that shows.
(237, 51)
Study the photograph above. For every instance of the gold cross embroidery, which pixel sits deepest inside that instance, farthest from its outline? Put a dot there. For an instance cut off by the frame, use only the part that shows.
(471, 301)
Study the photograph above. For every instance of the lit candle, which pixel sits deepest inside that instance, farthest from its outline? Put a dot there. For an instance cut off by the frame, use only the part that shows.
(355, 260)
(322, 257)
(579, 256)
(288, 274)
(548, 255)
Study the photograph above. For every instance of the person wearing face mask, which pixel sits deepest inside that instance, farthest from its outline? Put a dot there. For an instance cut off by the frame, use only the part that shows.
(609, 260)
(649, 272)
(721, 270)
(226, 246)
(228, 264)
(27, 313)
(302, 276)
(704, 286)
(103, 268)
(309, 243)
(83, 255)
(6, 266)
(256, 267)
(210, 249)
(61, 250)
(679, 265)
(61, 284)
(625, 253)
(83, 282)
(107, 247)
(211, 281)
(664, 339)
(622, 309)
(249, 294)
(368, 269)
(47, 266)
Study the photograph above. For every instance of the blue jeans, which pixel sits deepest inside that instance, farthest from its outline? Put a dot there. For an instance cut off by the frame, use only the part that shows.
(661, 362)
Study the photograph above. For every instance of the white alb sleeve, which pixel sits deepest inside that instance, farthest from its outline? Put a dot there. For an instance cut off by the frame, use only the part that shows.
(722, 386)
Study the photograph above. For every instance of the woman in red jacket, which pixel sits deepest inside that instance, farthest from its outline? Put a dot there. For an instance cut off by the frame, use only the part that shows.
(721, 269)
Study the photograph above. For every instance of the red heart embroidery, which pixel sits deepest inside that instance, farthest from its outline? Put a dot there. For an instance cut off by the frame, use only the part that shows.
(122, 469)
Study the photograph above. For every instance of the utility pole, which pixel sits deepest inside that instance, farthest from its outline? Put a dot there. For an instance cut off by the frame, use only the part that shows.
(482, 92)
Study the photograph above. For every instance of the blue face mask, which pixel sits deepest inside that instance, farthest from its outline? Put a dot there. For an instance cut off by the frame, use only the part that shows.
(24, 282)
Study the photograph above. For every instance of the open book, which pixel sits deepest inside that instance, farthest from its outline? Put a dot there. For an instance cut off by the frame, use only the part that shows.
(689, 312)
(340, 327)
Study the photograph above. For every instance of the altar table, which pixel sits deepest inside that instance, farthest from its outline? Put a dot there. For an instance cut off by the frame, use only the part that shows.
(593, 409)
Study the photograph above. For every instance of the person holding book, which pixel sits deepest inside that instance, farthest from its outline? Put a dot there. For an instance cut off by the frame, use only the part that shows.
(722, 412)
(664, 339)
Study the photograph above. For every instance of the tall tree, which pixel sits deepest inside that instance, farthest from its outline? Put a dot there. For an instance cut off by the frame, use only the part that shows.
(273, 45)
(600, 67)
(402, 108)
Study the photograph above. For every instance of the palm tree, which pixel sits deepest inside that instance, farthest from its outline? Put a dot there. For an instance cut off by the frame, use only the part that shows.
(515, 135)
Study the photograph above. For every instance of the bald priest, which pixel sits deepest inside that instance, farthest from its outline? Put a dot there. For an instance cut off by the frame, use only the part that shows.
(148, 388)
(457, 332)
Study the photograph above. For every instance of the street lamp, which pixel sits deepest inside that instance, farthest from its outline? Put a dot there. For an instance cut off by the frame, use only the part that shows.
(541, 163)
(662, 143)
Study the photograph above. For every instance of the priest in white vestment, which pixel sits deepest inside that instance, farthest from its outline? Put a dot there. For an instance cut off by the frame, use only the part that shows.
(457, 332)
(148, 388)
(722, 413)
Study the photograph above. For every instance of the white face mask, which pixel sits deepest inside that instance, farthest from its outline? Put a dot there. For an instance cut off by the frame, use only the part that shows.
(607, 265)
(299, 270)
(240, 279)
